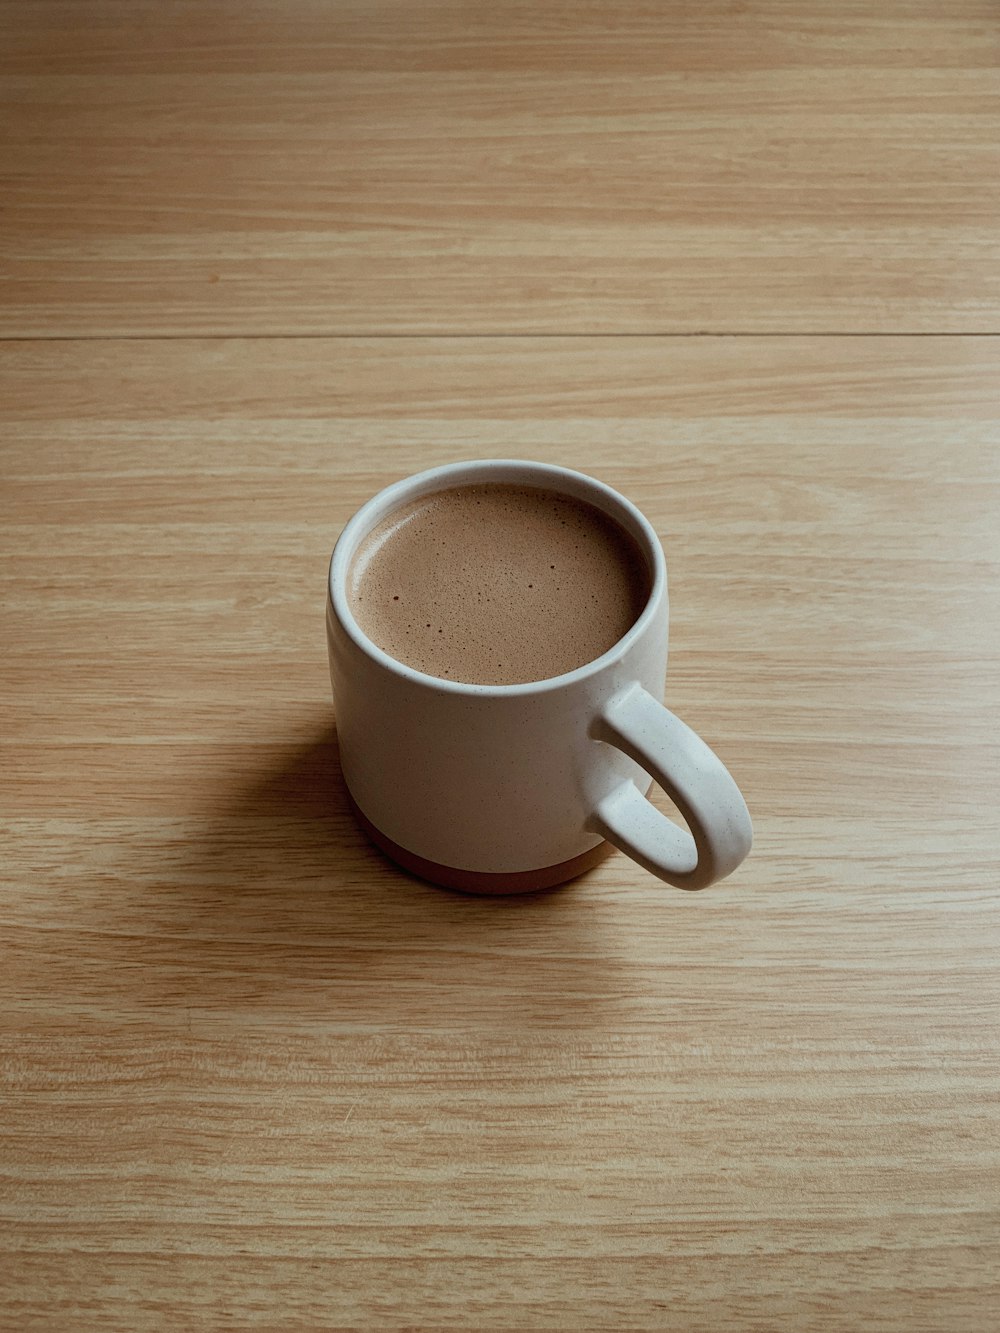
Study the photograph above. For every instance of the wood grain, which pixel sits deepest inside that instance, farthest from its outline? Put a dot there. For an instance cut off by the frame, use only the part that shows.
(254, 1077)
(355, 167)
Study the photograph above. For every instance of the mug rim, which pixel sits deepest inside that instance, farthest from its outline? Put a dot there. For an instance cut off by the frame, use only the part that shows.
(515, 471)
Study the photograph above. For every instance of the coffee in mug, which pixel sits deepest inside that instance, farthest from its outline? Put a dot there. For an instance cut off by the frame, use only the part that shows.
(497, 584)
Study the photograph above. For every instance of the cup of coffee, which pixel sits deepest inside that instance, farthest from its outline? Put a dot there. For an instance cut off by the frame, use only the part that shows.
(497, 633)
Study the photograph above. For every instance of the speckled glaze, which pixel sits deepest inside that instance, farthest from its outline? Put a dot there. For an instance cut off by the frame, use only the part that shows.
(505, 780)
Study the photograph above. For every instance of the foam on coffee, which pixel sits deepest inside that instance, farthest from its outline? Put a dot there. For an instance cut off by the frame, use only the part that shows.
(497, 584)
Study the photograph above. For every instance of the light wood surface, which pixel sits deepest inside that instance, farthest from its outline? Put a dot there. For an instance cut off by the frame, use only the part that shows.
(254, 1077)
(363, 166)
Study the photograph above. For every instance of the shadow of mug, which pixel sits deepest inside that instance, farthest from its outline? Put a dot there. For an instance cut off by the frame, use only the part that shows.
(281, 902)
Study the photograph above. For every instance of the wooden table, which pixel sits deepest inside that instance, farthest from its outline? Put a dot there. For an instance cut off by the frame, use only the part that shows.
(253, 1076)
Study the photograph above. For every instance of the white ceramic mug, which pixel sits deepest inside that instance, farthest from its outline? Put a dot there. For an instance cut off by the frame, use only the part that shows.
(509, 788)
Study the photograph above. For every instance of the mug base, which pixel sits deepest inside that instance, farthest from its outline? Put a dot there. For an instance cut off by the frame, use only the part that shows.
(482, 882)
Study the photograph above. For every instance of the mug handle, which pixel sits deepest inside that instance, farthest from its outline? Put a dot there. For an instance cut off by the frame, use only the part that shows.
(693, 777)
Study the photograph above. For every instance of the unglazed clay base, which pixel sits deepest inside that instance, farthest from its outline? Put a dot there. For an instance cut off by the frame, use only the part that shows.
(476, 881)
